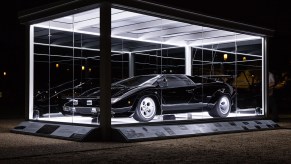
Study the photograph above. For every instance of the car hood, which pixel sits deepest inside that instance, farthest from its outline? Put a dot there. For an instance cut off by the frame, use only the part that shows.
(119, 91)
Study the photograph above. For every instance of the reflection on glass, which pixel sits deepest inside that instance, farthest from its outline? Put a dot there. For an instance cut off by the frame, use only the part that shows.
(161, 70)
(66, 63)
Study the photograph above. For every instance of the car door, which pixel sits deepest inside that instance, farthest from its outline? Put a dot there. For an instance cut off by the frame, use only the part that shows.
(197, 102)
(177, 93)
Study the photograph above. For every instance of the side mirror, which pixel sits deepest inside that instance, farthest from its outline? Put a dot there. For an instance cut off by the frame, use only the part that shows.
(163, 82)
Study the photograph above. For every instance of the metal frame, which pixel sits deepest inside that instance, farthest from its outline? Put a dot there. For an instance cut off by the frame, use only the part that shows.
(31, 69)
(188, 60)
(265, 73)
(105, 70)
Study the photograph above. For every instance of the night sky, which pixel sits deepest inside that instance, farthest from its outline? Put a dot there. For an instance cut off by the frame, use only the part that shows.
(12, 57)
(268, 13)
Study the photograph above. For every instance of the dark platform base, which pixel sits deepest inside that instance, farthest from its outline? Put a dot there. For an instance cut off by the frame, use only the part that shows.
(68, 132)
(155, 132)
(135, 132)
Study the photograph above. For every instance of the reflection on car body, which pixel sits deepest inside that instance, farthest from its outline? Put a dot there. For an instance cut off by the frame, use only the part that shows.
(145, 96)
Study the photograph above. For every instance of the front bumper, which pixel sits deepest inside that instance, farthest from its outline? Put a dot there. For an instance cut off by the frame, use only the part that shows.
(93, 110)
(82, 110)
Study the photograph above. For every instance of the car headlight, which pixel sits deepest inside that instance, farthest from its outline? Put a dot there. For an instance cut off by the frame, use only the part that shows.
(114, 100)
(89, 102)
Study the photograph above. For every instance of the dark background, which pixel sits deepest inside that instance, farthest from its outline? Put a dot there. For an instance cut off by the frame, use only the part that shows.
(268, 13)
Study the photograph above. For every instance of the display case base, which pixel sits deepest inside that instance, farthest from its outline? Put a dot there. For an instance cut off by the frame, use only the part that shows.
(135, 132)
(155, 132)
(68, 132)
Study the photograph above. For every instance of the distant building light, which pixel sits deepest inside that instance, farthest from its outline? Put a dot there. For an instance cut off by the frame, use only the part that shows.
(225, 57)
(244, 58)
(90, 69)
(83, 68)
(4, 73)
(57, 65)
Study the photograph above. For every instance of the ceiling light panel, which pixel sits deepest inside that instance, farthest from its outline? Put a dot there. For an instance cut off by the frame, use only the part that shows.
(140, 27)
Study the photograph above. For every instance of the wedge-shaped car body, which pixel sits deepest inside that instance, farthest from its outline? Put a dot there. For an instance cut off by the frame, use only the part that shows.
(145, 96)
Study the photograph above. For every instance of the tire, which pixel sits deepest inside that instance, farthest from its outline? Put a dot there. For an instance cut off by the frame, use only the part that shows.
(145, 110)
(221, 108)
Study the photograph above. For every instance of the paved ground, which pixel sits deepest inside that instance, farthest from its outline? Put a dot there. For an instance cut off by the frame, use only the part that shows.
(271, 146)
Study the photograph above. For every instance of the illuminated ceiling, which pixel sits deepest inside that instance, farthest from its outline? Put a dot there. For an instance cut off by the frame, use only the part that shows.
(139, 27)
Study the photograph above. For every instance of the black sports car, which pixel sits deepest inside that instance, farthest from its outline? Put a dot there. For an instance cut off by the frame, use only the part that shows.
(145, 96)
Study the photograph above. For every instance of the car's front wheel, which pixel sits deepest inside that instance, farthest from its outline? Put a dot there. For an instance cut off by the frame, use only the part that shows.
(145, 110)
(222, 107)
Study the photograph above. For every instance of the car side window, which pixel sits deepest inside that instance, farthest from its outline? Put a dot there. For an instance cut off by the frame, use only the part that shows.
(178, 81)
(195, 79)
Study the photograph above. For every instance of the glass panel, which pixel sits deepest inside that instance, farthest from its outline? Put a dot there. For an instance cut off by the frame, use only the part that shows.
(249, 77)
(197, 63)
(62, 71)
(41, 72)
(220, 66)
(120, 59)
(192, 70)
(53, 70)
(161, 70)
(66, 68)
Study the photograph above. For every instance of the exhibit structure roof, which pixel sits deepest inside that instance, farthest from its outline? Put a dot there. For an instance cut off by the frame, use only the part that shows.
(140, 27)
(66, 8)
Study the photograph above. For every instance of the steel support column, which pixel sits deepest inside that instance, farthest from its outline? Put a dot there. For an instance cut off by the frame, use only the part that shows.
(188, 60)
(105, 70)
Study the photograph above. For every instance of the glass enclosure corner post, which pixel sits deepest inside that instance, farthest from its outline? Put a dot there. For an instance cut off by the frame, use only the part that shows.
(265, 78)
(29, 112)
(105, 70)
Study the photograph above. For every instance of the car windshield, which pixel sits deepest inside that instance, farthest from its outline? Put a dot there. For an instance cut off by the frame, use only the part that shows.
(138, 81)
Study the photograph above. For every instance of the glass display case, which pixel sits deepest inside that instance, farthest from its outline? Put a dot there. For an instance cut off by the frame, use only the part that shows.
(162, 70)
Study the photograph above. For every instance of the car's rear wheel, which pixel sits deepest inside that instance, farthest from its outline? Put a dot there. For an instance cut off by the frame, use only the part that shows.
(222, 107)
(145, 110)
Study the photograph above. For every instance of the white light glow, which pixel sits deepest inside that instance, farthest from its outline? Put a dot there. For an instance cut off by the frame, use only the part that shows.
(204, 43)
(184, 43)
(31, 71)
(68, 17)
(58, 117)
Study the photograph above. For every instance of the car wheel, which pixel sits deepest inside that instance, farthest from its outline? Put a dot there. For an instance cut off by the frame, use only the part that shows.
(221, 108)
(145, 110)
